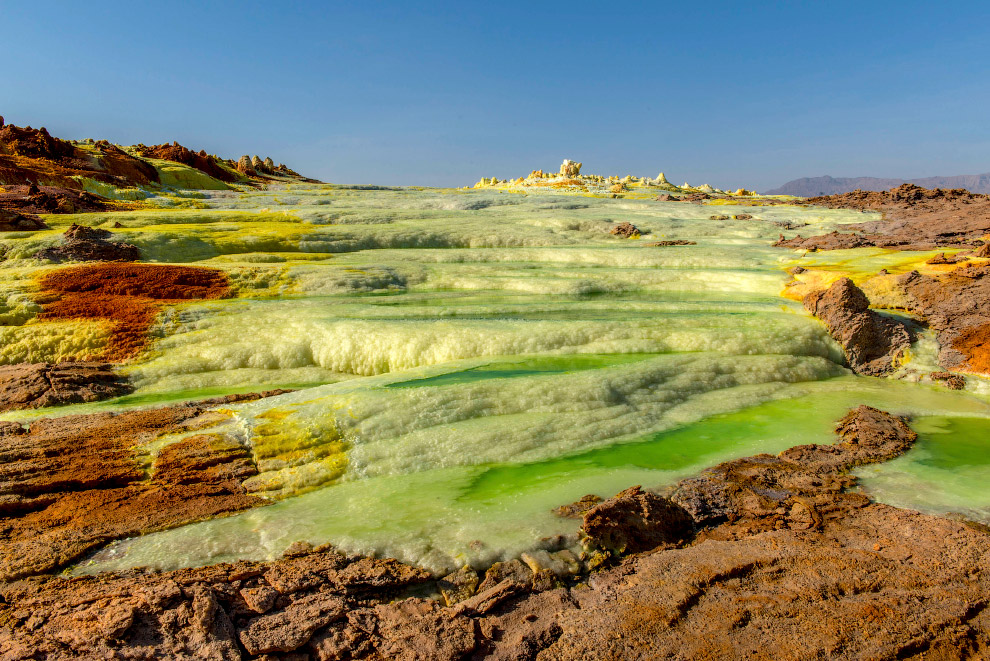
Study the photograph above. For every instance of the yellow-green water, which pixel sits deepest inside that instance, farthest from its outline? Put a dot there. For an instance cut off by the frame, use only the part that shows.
(468, 360)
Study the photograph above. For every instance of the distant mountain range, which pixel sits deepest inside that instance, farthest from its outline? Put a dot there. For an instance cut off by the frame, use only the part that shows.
(812, 186)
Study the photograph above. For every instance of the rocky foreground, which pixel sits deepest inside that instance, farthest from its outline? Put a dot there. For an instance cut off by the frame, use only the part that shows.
(761, 557)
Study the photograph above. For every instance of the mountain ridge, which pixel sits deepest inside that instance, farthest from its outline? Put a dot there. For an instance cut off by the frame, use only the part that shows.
(827, 185)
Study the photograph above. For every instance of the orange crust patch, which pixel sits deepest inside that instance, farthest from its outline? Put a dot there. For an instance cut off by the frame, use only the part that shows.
(127, 296)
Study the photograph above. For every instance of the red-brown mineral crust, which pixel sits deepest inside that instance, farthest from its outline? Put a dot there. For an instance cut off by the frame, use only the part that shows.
(127, 296)
(787, 562)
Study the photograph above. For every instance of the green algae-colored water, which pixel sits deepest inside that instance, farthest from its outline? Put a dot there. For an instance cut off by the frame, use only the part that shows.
(465, 361)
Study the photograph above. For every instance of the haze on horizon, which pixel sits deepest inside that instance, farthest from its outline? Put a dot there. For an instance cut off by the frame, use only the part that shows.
(732, 94)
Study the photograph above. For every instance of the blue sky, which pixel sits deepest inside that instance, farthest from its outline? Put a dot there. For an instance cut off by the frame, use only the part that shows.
(731, 93)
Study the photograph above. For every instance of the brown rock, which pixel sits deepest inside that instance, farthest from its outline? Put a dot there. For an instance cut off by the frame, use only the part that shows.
(577, 509)
(873, 343)
(292, 627)
(635, 521)
(36, 385)
(88, 244)
(626, 231)
(949, 380)
(915, 218)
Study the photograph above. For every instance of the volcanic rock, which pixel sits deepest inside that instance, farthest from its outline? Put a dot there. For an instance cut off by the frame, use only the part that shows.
(671, 242)
(949, 380)
(914, 218)
(179, 154)
(873, 343)
(626, 231)
(13, 221)
(36, 385)
(635, 521)
(86, 244)
(72, 484)
(957, 306)
(798, 564)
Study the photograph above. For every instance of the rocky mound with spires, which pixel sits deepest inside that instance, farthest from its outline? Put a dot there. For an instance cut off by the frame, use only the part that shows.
(569, 179)
(41, 173)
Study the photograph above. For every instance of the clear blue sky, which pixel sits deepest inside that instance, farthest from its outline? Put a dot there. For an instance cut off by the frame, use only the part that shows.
(731, 93)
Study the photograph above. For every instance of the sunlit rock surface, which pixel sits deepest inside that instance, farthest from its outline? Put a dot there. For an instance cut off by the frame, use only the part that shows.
(466, 360)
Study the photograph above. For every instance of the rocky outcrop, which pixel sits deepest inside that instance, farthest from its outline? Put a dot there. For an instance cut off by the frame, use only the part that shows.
(15, 221)
(36, 385)
(957, 306)
(786, 558)
(636, 521)
(873, 343)
(87, 244)
(72, 484)
(915, 218)
(626, 231)
(199, 160)
(127, 296)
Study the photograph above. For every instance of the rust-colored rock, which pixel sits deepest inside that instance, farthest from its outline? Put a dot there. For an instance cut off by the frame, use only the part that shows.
(873, 343)
(577, 509)
(69, 485)
(626, 230)
(179, 154)
(788, 564)
(634, 521)
(127, 296)
(36, 385)
(915, 218)
(957, 306)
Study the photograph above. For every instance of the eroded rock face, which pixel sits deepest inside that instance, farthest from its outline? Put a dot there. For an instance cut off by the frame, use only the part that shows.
(36, 385)
(957, 305)
(635, 521)
(873, 343)
(199, 160)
